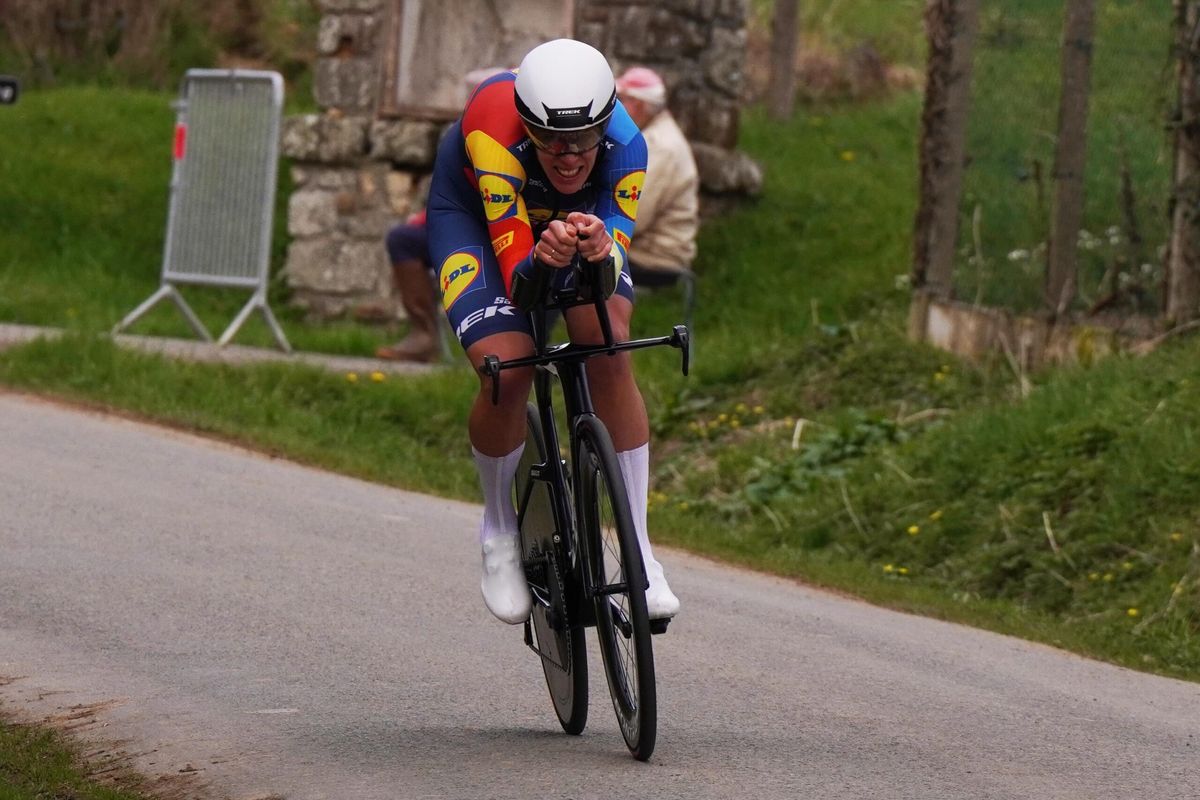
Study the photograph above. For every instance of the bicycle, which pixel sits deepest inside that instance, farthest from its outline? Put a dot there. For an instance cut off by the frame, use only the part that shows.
(578, 541)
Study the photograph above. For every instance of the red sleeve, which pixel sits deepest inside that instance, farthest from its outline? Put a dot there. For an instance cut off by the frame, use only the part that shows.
(491, 129)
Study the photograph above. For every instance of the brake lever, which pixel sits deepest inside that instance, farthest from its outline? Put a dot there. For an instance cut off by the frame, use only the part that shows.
(491, 368)
(681, 337)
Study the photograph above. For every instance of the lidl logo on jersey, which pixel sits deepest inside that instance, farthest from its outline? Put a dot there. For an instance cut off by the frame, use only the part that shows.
(460, 273)
(499, 197)
(628, 191)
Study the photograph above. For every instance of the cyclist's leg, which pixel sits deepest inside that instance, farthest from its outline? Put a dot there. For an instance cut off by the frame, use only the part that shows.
(620, 405)
(486, 323)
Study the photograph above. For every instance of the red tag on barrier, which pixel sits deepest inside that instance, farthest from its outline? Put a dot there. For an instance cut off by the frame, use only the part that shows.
(180, 141)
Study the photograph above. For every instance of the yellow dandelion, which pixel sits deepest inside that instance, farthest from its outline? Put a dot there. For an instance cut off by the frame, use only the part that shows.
(1093, 576)
(722, 417)
(352, 377)
(1126, 565)
(1176, 536)
(735, 423)
(913, 530)
(939, 376)
(378, 377)
(848, 156)
(759, 410)
(683, 506)
(902, 570)
(936, 515)
(1108, 577)
(1133, 612)
(889, 568)
(741, 408)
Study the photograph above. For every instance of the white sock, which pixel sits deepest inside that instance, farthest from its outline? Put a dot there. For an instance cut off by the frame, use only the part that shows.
(496, 478)
(635, 469)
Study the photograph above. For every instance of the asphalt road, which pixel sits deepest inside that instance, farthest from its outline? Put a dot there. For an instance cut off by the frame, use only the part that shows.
(248, 628)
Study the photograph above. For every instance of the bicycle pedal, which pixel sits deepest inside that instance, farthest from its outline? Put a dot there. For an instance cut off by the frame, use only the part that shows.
(659, 625)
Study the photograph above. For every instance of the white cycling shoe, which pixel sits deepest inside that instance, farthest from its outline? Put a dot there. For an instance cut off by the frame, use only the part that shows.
(661, 602)
(505, 590)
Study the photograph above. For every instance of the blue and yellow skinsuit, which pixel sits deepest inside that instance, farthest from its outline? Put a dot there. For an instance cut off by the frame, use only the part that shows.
(490, 200)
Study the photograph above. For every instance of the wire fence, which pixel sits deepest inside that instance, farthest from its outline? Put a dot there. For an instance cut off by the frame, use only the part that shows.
(1005, 207)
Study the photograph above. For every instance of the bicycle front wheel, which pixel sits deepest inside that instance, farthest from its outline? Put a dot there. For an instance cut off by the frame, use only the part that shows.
(619, 584)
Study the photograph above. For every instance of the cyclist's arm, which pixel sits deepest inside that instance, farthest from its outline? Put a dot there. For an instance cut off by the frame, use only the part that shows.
(490, 127)
(621, 186)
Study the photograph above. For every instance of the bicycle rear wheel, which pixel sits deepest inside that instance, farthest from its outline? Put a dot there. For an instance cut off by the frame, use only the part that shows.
(618, 578)
(558, 642)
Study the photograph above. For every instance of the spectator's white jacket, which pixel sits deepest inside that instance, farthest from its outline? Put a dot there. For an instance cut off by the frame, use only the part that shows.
(668, 215)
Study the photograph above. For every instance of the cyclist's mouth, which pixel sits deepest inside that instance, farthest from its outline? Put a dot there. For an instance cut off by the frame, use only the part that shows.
(568, 174)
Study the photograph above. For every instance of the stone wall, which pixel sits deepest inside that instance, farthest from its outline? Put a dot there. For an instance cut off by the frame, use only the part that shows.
(356, 172)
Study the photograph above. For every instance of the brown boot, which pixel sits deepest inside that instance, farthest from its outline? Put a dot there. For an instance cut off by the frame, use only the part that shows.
(416, 294)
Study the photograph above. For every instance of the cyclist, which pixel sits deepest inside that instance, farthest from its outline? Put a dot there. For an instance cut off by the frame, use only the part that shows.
(543, 164)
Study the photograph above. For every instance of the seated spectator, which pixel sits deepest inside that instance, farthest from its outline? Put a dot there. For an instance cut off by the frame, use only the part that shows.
(668, 217)
(408, 251)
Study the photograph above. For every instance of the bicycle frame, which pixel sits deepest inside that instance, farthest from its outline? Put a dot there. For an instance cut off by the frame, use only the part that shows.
(568, 362)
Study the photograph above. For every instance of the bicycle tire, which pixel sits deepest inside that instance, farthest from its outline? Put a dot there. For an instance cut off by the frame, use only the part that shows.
(560, 643)
(622, 622)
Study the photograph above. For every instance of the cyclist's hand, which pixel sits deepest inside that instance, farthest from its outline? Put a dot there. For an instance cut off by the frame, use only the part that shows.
(594, 242)
(556, 246)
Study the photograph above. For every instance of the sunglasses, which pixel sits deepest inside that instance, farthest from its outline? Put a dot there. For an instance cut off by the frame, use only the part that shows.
(561, 143)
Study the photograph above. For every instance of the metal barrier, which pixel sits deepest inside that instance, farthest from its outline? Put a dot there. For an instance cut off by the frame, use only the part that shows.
(222, 203)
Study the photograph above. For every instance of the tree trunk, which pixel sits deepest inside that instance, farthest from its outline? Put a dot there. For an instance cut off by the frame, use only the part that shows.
(950, 26)
(781, 92)
(1182, 285)
(1070, 156)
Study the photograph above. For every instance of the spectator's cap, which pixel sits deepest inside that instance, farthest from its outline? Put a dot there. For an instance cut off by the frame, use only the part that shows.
(642, 83)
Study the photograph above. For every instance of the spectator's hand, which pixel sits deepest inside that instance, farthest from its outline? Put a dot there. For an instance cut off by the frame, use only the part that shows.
(557, 244)
(594, 242)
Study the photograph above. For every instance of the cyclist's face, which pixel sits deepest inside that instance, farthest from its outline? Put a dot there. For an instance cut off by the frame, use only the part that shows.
(569, 171)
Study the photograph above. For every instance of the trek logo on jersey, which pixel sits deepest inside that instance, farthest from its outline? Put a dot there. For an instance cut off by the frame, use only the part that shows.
(502, 242)
(480, 314)
(499, 197)
(628, 191)
(460, 273)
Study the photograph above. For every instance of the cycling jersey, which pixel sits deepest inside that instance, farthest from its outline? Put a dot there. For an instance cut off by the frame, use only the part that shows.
(490, 200)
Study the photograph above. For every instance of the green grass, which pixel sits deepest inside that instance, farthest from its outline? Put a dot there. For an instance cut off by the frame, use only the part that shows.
(37, 763)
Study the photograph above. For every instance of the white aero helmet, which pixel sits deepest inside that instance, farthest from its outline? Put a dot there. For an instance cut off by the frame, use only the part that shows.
(565, 94)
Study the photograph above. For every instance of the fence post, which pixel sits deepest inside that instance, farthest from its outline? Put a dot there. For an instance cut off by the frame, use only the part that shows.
(1070, 156)
(950, 26)
(1182, 283)
(781, 91)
